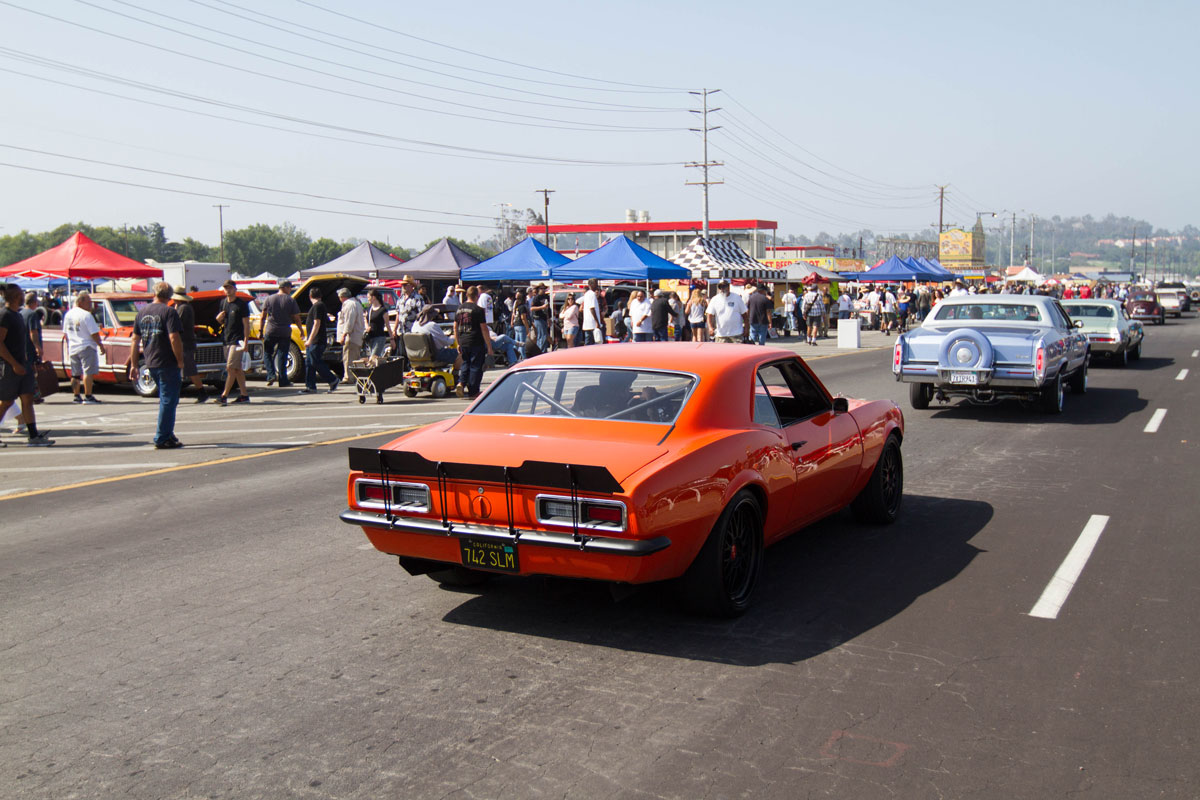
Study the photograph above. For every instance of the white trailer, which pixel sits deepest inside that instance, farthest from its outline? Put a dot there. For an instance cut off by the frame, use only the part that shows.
(186, 274)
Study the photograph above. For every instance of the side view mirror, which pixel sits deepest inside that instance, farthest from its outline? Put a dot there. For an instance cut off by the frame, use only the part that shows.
(1077, 323)
(840, 405)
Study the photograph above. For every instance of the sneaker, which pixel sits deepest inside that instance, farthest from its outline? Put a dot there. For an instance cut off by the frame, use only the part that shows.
(91, 401)
(243, 398)
(270, 381)
(333, 386)
(460, 390)
(77, 399)
(202, 398)
(221, 400)
(306, 390)
(41, 440)
(173, 444)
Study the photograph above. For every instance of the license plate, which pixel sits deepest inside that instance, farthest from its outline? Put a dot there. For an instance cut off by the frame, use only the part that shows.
(964, 377)
(489, 555)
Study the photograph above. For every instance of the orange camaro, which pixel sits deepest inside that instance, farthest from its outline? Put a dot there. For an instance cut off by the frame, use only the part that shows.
(631, 463)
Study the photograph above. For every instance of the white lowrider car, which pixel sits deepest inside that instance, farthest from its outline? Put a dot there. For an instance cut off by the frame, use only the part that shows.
(1109, 329)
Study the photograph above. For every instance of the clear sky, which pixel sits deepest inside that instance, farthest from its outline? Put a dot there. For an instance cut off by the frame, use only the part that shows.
(834, 116)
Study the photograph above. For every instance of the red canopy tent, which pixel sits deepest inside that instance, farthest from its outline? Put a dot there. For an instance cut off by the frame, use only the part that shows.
(81, 258)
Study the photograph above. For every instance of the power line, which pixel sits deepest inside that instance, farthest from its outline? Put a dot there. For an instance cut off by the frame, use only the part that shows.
(407, 35)
(542, 122)
(388, 55)
(453, 150)
(239, 199)
(240, 185)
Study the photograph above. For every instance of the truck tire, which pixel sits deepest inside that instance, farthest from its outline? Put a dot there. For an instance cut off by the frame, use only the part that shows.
(1052, 395)
(919, 395)
(295, 364)
(144, 384)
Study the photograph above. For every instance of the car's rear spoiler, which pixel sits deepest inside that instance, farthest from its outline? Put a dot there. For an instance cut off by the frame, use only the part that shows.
(554, 475)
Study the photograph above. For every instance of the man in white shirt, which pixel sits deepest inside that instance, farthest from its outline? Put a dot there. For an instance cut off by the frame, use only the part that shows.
(726, 315)
(639, 317)
(351, 327)
(888, 300)
(844, 305)
(789, 310)
(83, 346)
(959, 290)
(485, 302)
(593, 328)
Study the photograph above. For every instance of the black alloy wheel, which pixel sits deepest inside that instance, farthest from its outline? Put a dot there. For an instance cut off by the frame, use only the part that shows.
(721, 580)
(879, 501)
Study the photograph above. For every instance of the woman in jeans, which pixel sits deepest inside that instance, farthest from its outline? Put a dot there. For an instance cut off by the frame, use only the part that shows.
(570, 320)
(377, 325)
(520, 318)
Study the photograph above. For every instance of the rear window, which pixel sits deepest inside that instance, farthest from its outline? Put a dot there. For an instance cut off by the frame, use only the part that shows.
(999, 312)
(590, 393)
(1080, 312)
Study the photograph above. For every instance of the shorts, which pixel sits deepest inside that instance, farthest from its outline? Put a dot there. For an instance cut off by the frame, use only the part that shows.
(189, 363)
(85, 363)
(889, 316)
(13, 385)
(815, 319)
(233, 357)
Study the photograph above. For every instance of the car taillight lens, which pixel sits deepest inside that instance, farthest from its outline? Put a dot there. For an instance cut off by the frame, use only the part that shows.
(1039, 361)
(897, 356)
(396, 496)
(606, 515)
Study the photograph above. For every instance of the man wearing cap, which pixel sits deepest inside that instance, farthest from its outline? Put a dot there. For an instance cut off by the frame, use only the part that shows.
(182, 302)
(760, 307)
(726, 315)
(157, 329)
(279, 314)
(408, 307)
(351, 328)
(660, 315)
(16, 369)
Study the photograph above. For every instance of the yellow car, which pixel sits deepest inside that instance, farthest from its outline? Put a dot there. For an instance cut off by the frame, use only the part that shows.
(329, 285)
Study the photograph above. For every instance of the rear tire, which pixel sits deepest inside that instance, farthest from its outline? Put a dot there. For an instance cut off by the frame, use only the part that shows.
(879, 500)
(919, 395)
(1136, 354)
(295, 364)
(438, 388)
(721, 580)
(1052, 396)
(1079, 380)
(1121, 358)
(459, 576)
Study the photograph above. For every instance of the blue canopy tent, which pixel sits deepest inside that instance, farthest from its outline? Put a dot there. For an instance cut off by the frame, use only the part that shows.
(895, 269)
(936, 268)
(620, 259)
(529, 260)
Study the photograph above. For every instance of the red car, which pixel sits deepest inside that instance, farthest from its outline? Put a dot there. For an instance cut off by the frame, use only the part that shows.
(1144, 305)
(631, 463)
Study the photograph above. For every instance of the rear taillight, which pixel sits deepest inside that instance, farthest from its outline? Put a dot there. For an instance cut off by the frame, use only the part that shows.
(897, 356)
(606, 515)
(395, 496)
(1039, 362)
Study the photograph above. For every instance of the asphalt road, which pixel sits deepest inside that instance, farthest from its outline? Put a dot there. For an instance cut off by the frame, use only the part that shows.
(214, 631)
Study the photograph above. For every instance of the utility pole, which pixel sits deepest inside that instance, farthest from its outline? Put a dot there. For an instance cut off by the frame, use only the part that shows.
(1133, 252)
(1012, 238)
(705, 164)
(546, 214)
(941, 205)
(125, 229)
(1032, 223)
(221, 221)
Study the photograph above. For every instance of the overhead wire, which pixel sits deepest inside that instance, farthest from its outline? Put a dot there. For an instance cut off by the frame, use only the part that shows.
(405, 34)
(167, 173)
(381, 53)
(537, 121)
(245, 200)
(446, 149)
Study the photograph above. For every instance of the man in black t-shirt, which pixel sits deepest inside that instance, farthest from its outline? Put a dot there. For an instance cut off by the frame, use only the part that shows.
(234, 315)
(474, 343)
(157, 333)
(539, 311)
(759, 309)
(279, 314)
(182, 303)
(16, 367)
(314, 346)
(660, 315)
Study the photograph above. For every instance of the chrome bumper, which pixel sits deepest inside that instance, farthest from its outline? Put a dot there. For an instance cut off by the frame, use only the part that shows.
(567, 541)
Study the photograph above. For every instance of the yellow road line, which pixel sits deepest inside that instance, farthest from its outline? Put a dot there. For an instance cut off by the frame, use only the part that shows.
(214, 462)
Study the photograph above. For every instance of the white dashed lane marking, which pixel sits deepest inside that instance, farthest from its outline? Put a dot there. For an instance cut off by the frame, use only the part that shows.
(1182, 374)
(1155, 421)
(1060, 586)
(1195, 353)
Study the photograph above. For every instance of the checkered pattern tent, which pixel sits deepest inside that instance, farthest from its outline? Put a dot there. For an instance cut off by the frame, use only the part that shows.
(716, 259)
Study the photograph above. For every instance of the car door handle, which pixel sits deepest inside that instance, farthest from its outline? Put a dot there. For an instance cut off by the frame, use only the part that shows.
(798, 445)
